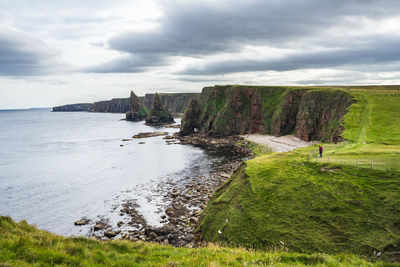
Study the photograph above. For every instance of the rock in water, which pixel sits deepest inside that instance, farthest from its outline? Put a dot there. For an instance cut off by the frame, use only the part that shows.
(159, 114)
(137, 110)
(99, 226)
(149, 134)
(81, 222)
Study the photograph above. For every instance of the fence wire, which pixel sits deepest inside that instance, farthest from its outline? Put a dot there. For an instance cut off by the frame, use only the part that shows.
(371, 163)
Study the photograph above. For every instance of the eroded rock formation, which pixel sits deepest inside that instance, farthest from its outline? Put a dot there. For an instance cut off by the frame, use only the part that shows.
(137, 110)
(159, 114)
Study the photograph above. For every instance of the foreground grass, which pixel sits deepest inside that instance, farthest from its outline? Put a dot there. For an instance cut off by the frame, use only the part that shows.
(24, 245)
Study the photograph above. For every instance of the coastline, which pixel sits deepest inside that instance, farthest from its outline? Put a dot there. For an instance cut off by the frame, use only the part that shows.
(183, 200)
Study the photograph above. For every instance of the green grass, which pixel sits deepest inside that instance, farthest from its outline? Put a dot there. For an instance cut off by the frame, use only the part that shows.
(372, 127)
(311, 207)
(256, 149)
(316, 206)
(374, 119)
(24, 245)
(375, 156)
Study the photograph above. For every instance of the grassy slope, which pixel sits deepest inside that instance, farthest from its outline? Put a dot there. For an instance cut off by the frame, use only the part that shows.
(24, 245)
(373, 127)
(284, 197)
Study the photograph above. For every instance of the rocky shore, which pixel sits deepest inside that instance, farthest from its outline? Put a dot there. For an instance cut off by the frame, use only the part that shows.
(183, 200)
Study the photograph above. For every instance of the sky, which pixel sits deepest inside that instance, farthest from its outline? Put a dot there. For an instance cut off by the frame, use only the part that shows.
(54, 52)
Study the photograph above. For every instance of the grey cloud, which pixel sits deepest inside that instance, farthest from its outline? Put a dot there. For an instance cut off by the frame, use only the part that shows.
(198, 29)
(128, 64)
(22, 55)
(383, 51)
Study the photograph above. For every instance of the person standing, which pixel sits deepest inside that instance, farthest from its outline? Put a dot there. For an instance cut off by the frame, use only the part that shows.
(320, 151)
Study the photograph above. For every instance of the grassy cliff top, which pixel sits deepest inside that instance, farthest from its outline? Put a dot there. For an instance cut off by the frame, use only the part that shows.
(307, 205)
(335, 204)
(24, 245)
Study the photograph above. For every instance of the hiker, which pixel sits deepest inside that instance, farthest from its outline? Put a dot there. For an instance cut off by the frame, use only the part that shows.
(320, 151)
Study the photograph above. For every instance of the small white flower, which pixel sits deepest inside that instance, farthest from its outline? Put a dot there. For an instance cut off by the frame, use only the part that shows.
(219, 232)
(378, 254)
(282, 243)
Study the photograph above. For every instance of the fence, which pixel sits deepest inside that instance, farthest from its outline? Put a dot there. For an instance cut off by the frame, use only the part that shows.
(371, 163)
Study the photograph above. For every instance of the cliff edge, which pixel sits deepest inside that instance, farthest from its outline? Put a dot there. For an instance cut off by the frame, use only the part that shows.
(310, 113)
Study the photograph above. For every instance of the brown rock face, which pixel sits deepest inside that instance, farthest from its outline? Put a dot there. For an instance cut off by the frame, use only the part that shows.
(157, 105)
(116, 105)
(284, 121)
(137, 111)
(320, 115)
(174, 102)
(190, 120)
(312, 114)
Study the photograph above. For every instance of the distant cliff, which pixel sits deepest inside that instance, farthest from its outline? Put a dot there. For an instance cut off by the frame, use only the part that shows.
(175, 103)
(115, 105)
(309, 112)
(74, 107)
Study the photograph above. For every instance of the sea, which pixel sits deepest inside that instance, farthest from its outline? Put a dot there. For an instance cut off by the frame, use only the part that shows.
(59, 167)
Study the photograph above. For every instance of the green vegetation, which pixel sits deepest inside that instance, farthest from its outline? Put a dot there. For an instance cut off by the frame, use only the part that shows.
(286, 209)
(24, 245)
(373, 127)
(375, 119)
(255, 148)
(311, 205)
(308, 206)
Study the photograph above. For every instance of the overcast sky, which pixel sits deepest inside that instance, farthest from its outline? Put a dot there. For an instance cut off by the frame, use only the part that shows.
(54, 52)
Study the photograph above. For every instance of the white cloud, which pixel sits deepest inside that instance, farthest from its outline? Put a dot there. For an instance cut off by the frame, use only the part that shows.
(51, 45)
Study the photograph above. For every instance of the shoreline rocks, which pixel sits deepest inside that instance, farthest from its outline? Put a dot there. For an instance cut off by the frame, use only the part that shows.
(182, 200)
(82, 222)
(149, 134)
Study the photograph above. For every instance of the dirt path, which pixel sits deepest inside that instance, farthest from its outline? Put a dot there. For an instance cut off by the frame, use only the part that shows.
(278, 144)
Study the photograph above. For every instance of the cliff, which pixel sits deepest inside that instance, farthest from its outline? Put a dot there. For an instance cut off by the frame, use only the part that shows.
(310, 113)
(115, 105)
(74, 107)
(175, 103)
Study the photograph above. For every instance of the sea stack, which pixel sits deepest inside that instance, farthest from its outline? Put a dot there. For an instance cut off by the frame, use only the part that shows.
(159, 114)
(137, 110)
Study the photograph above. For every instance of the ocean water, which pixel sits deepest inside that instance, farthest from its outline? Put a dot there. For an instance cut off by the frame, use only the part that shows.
(57, 167)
